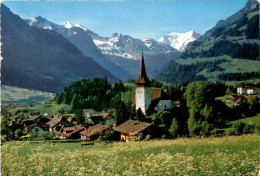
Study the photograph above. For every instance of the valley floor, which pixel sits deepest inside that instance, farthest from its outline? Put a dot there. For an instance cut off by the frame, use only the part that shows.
(229, 155)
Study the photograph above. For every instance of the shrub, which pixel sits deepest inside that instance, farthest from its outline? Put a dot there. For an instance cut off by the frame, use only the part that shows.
(48, 135)
(231, 131)
(109, 135)
(256, 129)
(18, 133)
(238, 126)
(248, 128)
(148, 137)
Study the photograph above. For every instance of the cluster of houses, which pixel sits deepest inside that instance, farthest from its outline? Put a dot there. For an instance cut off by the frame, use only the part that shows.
(65, 125)
(247, 90)
(68, 127)
(243, 93)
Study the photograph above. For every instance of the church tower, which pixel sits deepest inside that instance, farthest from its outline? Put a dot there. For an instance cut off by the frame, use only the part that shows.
(143, 89)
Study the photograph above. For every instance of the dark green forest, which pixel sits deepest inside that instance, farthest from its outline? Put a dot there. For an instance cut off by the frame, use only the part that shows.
(239, 76)
(179, 74)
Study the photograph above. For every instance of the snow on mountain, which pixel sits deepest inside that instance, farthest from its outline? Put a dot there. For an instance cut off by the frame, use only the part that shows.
(179, 41)
(67, 24)
(129, 47)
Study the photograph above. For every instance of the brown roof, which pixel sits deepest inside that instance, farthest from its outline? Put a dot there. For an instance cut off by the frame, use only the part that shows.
(143, 79)
(54, 121)
(156, 93)
(71, 130)
(233, 97)
(35, 117)
(132, 126)
(105, 115)
(93, 130)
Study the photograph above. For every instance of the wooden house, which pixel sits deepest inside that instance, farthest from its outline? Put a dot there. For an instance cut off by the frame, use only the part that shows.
(57, 122)
(74, 132)
(131, 127)
(92, 132)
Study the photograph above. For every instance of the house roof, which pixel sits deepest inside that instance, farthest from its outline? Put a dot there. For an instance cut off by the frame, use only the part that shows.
(54, 121)
(252, 88)
(132, 126)
(93, 130)
(143, 79)
(71, 130)
(35, 117)
(105, 115)
(233, 97)
(109, 110)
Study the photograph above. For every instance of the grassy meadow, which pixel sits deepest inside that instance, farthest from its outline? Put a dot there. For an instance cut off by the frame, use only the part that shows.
(11, 94)
(55, 108)
(230, 155)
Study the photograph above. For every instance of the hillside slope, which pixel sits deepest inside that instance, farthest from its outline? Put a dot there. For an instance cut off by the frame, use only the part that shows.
(41, 59)
(230, 51)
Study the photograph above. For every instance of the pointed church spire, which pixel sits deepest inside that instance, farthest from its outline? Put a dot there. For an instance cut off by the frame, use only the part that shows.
(143, 79)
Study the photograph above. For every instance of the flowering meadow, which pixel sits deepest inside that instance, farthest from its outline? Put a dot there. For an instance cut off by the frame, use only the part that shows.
(230, 155)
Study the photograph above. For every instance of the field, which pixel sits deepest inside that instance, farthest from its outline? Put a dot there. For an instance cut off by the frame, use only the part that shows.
(11, 94)
(54, 108)
(230, 155)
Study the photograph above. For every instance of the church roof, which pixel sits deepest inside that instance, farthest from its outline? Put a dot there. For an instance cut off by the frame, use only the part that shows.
(143, 79)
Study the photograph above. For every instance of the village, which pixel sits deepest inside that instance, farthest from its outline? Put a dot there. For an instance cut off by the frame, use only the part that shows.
(153, 109)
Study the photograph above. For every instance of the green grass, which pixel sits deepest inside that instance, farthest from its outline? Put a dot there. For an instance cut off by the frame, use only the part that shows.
(54, 108)
(20, 95)
(249, 120)
(230, 155)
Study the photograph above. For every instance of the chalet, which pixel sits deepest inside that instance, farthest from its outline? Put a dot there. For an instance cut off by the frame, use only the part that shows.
(241, 90)
(253, 91)
(88, 112)
(35, 118)
(34, 129)
(107, 118)
(248, 90)
(73, 132)
(131, 127)
(57, 122)
(92, 132)
(149, 100)
(235, 99)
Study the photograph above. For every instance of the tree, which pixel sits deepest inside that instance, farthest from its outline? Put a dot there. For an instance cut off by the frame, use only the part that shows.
(229, 92)
(253, 104)
(122, 114)
(140, 115)
(193, 123)
(174, 128)
(5, 130)
(79, 116)
(18, 133)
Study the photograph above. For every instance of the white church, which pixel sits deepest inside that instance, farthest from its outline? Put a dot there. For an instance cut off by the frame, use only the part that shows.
(150, 100)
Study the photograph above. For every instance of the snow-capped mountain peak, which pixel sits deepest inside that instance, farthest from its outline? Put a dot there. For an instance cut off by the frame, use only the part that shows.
(179, 41)
(67, 24)
(79, 26)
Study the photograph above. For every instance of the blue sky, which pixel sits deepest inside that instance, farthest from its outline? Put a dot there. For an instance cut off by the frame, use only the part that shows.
(138, 18)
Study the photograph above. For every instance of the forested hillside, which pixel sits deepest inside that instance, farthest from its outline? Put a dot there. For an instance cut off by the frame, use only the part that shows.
(230, 54)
